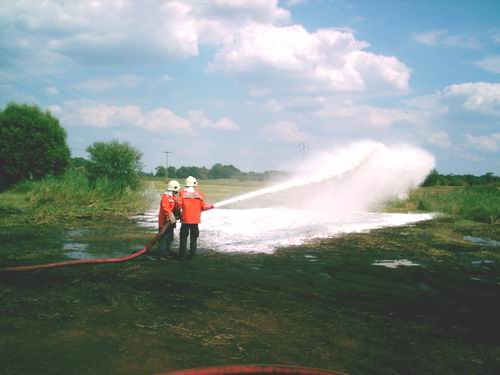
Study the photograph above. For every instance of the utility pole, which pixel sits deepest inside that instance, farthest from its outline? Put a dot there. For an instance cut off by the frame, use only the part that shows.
(302, 147)
(166, 163)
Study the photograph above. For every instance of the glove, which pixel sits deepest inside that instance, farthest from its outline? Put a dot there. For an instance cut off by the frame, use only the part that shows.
(209, 207)
(171, 217)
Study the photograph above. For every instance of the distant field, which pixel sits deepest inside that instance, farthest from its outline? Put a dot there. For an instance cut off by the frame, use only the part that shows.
(217, 190)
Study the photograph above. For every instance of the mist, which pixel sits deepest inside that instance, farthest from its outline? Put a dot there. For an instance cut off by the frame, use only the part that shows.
(356, 177)
(332, 193)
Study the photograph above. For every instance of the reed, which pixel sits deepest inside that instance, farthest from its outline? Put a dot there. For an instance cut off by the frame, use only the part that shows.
(481, 203)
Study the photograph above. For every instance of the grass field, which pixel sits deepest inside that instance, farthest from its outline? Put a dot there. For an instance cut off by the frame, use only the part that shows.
(481, 203)
(323, 305)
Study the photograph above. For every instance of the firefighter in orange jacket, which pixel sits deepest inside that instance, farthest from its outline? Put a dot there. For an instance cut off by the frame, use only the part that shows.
(168, 205)
(192, 204)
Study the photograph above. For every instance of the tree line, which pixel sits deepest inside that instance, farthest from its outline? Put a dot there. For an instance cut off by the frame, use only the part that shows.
(436, 179)
(217, 171)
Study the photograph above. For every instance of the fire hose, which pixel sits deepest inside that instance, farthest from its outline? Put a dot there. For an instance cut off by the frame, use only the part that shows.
(253, 369)
(78, 262)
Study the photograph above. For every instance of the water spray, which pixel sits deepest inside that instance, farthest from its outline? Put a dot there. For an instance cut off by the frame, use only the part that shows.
(369, 172)
(317, 177)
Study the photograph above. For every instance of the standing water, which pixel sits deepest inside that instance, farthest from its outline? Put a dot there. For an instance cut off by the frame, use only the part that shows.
(334, 193)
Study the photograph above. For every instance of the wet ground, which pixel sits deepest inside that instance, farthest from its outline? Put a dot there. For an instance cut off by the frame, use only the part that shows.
(325, 304)
(264, 230)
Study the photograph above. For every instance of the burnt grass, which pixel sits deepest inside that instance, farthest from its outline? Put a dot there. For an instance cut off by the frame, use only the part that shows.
(322, 305)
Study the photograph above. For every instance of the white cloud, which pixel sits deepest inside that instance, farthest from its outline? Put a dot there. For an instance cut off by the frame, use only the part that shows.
(225, 124)
(106, 83)
(430, 38)
(439, 138)
(163, 119)
(442, 37)
(249, 36)
(101, 31)
(256, 92)
(284, 131)
(428, 104)
(343, 112)
(495, 36)
(166, 78)
(326, 59)
(488, 143)
(54, 109)
(52, 90)
(476, 97)
(104, 116)
(490, 64)
(199, 118)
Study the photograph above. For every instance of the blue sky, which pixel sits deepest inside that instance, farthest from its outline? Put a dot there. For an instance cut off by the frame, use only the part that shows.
(244, 82)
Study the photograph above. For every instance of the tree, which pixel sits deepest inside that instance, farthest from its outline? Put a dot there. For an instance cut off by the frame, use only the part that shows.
(119, 163)
(224, 171)
(32, 144)
(488, 178)
(172, 172)
(78, 163)
(161, 171)
(432, 178)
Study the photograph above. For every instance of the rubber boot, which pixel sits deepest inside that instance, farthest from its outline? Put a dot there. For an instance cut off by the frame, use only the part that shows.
(162, 248)
(193, 245)
(182, 248)
(168, 247)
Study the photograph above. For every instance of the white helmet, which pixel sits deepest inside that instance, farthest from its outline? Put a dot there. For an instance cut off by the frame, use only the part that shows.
(191, 181)
(173, 186)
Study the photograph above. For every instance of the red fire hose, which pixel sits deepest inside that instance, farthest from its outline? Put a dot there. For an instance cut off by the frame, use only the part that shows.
(253, 369)
(138, 253)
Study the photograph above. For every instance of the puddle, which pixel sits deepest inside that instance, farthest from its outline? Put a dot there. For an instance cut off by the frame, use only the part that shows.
(75, 246)
(395, 263)
(263, 230)
(483, 261)
(482, 241)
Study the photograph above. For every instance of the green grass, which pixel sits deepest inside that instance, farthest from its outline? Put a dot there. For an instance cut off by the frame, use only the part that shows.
(68, 197)
(338, 312)
(476, 203)
(321, 305)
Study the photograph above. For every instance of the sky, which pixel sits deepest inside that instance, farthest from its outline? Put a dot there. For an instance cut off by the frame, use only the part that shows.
(261, 84)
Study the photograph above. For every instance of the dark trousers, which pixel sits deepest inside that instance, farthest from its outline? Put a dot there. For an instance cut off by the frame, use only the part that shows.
(166, 241)
(191, 231)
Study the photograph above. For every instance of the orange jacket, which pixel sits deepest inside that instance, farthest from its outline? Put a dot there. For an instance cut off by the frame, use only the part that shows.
(192, 204)
(167, 206)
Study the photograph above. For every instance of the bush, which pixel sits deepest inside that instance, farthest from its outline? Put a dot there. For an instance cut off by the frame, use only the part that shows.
(116, 162)
(32, 144)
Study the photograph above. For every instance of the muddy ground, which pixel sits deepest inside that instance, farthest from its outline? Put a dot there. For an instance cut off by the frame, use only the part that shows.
(322, 305)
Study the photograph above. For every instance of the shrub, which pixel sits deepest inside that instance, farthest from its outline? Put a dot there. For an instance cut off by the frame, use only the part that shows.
(118, 163)
(32, 144)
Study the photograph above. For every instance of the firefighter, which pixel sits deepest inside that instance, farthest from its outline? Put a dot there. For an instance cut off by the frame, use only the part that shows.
(192, 204)
(168, 206)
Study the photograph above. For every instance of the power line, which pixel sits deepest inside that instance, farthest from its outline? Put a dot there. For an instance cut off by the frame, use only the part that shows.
(46, 83)
(166, 163)
(302, 148)
(26, 89)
